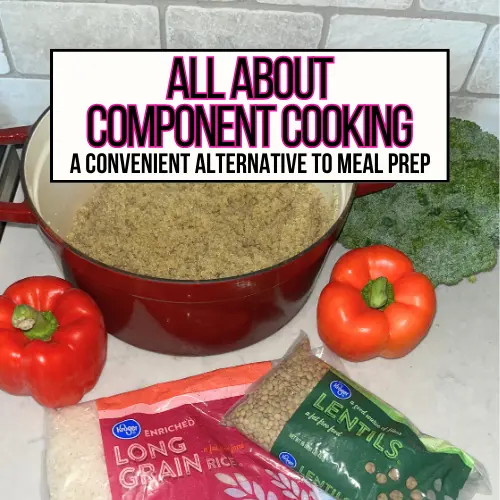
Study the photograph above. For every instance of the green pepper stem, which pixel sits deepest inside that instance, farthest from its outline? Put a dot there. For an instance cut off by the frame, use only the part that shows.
(36, 325)
(378, 293)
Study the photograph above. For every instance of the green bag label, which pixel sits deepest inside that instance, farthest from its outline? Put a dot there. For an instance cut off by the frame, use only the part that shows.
(347, 445)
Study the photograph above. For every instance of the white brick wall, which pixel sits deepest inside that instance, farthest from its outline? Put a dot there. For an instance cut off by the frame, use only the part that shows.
(469, 28)
(21, 101)
(33, 28)
(365, 32)
(228, 28)
(485, 77)
(487, 7)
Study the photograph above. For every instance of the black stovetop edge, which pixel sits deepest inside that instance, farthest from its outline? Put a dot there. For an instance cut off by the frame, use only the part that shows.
(9, 177)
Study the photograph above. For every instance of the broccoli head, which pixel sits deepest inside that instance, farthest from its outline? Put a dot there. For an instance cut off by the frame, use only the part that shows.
(449, 230)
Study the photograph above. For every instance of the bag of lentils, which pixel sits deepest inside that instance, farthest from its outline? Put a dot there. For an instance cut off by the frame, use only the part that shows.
(347, 441)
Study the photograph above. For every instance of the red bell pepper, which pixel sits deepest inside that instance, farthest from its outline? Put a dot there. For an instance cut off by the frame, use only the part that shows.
(53, 341)
(375, 305)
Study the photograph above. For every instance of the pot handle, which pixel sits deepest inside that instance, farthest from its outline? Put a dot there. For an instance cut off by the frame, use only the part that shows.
(14, 136)
(19, 213)
(372, 187)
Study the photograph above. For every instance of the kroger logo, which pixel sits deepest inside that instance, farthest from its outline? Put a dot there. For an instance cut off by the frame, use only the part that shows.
(128, 429)
(288, 459)
(340, 390)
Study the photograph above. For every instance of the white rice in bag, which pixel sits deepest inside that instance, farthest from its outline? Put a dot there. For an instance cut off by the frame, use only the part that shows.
(166, 442)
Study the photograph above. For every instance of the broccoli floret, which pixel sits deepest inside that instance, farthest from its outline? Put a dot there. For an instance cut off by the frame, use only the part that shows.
(449, 230)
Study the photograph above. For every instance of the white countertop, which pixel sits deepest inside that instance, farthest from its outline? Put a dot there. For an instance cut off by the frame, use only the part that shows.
(448, 386)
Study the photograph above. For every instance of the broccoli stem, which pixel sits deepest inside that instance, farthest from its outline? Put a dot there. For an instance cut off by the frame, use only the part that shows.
(378, 293)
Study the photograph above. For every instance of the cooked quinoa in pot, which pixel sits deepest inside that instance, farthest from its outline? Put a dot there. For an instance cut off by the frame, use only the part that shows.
(200, 231)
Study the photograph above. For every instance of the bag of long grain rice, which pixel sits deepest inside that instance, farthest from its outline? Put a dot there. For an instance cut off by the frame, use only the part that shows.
(166, 442)
(347, 441)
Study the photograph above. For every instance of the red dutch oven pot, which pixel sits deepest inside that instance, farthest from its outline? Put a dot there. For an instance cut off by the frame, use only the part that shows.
(168, 316)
